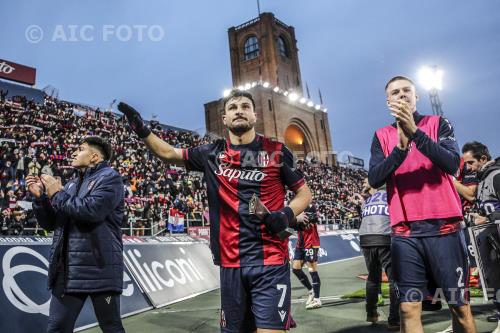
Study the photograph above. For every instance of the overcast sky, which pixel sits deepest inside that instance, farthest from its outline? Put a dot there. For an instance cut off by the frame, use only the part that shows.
(348, 48)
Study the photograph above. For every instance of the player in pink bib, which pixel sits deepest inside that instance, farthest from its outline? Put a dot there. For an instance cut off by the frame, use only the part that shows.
(416, 157)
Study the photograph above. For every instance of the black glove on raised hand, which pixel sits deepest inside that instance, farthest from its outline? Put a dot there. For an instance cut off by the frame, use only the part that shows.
(280, 222)
(135, 120)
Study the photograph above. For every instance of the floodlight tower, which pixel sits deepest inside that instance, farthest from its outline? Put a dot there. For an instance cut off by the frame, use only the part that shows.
(432, 80)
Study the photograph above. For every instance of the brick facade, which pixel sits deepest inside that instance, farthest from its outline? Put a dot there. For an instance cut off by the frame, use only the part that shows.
(308, 128)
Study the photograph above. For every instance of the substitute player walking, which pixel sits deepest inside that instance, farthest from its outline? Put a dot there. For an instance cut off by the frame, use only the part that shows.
(306, 251)
(254, 272)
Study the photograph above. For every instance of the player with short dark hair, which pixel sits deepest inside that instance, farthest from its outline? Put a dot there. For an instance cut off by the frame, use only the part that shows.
(254, 272)
(477, 150)
(101, 145)
(86, 257)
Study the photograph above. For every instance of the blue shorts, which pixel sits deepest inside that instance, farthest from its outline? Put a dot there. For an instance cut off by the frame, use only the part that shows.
(255, 297)
(307, 255)
(440, 259)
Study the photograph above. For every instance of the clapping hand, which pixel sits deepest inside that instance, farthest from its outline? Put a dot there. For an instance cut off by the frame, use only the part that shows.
(404, 116)
(35, 186)
(51, 184)
(400, 110)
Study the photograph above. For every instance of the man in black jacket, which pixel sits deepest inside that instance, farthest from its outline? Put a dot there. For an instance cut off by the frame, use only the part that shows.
(86, 256)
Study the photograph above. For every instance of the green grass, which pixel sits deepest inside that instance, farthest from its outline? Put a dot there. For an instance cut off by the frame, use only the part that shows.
(361, 293)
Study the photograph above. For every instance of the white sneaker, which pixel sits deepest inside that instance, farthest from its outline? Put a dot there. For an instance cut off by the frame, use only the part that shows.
(310, 298)
(449, 329)
(315, 304)
(497, 330)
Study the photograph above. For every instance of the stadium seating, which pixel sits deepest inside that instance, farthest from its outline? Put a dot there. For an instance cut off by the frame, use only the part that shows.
(38, 138)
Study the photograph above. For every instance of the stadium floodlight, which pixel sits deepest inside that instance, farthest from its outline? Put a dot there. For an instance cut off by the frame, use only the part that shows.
(226, 92)
(310, 104)
(254, 83)
(303, 100)
(248, 86)
(241, 88)
(276, 89)
(265, 84)
(317, 107)
(325, 109)
(286, 93)
(431, 78)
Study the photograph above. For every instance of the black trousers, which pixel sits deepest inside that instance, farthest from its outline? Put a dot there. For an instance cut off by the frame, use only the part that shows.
(378, 258)
(65, 308)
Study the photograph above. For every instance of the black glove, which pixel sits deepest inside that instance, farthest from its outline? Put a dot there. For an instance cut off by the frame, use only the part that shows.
(135, 120)
(280, 222)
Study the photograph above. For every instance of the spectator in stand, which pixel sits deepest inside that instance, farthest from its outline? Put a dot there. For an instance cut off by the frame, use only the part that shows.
(47, 168)
(34, 167)
(6, 221)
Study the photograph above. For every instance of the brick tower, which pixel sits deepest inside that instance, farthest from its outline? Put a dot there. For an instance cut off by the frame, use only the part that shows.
(265, 61)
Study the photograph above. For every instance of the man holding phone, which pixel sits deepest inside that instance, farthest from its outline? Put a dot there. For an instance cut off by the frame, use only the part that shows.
(416, 157)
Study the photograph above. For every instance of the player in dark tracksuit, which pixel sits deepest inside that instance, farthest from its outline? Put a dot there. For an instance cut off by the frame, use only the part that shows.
(86, 256)
(253, 254)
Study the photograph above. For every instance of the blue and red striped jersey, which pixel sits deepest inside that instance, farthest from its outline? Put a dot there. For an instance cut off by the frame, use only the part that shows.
(234, 173)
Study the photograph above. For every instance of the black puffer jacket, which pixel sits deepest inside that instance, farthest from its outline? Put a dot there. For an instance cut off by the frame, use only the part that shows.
(86, 217)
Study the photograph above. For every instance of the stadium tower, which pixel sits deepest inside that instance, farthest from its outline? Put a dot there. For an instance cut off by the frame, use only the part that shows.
(265, 62)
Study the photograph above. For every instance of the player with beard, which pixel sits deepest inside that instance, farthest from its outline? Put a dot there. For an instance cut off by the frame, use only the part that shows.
(478, 160)
(253, 258)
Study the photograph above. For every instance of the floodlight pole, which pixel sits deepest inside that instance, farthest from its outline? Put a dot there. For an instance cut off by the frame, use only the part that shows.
(436, 105)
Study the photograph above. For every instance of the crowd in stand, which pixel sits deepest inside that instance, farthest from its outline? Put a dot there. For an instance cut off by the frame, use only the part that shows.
(335, 192)
(39, 138)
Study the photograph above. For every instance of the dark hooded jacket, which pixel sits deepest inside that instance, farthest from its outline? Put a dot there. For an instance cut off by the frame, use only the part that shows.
(86, 217)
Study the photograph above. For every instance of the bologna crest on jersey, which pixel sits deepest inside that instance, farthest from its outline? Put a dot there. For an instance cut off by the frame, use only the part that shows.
(263, 159)
(223, 159)
(222, 156)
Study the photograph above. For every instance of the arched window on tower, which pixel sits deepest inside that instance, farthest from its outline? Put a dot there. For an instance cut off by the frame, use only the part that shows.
(282, 47)
(251, 48)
